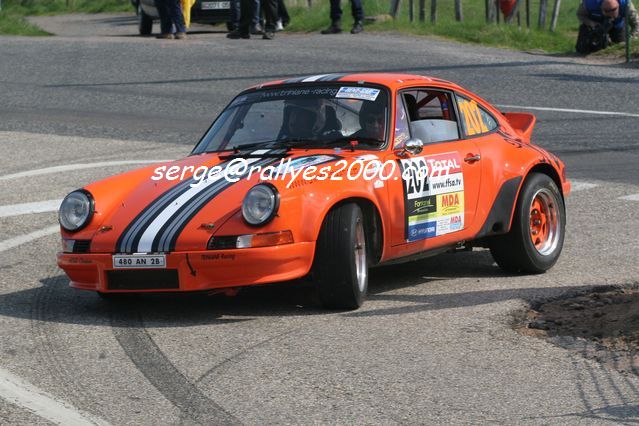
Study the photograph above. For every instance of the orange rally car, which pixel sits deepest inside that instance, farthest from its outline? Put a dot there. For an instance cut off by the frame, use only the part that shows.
(323, 176)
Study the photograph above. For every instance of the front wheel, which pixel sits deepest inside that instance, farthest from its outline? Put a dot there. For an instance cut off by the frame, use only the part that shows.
(145, 22)
(340, 269)
(536, 237)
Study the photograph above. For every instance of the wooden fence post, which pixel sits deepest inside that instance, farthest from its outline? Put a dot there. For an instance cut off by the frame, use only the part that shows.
(394, 8)
(543, 7)
(527, 13)
(555, 15)
(497, 10)
(433, 11)
(422, 10)
(508, 19)
(627, 27)
(459, 15)
(411, 7)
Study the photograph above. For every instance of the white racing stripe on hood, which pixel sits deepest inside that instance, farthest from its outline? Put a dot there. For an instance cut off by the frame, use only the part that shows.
(146, 241)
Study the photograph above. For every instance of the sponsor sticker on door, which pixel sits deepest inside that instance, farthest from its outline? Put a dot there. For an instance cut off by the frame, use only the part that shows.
(433, 195)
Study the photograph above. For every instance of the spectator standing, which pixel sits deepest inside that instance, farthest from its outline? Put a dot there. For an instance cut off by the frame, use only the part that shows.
(283, 18)
(256, 28)
(336, 17)
(236, 16)
(246, 19)
(171, 19)
(603, 21)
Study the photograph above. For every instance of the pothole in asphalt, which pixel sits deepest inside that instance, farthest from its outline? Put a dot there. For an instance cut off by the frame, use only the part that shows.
(602, 325)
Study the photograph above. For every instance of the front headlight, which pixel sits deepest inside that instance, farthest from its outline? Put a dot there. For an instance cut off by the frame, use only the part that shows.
(260, 204)
(76, 210)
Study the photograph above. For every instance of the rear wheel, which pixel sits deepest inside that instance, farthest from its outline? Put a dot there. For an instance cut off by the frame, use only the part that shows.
(536, 238)
(340, 269)
(145, 22)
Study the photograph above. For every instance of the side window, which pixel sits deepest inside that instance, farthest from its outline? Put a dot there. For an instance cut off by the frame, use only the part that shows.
(475, 120)
(431, 116)
(402, 134)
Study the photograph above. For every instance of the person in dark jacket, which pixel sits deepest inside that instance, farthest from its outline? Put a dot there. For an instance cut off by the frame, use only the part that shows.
(603, 22)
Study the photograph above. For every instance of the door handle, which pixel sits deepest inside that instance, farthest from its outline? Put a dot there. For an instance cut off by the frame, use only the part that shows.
(472, 158)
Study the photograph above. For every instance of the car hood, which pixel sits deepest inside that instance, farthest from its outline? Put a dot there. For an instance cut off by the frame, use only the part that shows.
(158, 214)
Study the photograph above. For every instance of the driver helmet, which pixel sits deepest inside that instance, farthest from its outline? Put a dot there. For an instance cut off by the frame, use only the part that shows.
(304, 117)
(370, 109)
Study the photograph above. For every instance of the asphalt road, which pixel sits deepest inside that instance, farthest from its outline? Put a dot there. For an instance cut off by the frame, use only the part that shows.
(434, 342)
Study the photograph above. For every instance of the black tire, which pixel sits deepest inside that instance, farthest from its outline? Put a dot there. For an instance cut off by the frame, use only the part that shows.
(341, 245)
(516, 251)
(145, 22)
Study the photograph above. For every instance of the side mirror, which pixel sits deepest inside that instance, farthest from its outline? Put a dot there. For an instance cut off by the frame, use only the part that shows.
(412, 147)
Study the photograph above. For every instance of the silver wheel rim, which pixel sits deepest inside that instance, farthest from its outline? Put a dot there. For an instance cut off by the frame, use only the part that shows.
(360, 256)
(544, 229)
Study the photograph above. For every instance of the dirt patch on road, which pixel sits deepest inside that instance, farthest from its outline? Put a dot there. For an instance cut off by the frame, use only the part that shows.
(601, 325)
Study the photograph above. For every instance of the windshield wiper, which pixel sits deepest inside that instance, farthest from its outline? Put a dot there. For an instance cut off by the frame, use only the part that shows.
(351, 142)
(283, 143)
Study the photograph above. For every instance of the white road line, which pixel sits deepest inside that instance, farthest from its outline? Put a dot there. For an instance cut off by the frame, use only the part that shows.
(78, 166)
(578, 185)
(19, 392)
(19, 240)
(29, 208)
(633, 197)
(578, 111)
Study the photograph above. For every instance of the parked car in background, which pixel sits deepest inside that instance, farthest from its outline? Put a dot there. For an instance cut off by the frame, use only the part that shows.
(202, 12)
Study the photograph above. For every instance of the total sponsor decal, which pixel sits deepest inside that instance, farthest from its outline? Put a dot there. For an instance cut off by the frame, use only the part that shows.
(433, 195)
(432, 175)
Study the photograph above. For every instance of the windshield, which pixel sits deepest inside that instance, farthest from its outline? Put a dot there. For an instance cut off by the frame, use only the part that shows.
(312, 117)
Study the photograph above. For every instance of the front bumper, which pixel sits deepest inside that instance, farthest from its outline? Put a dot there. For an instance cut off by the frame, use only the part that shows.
(200, 270)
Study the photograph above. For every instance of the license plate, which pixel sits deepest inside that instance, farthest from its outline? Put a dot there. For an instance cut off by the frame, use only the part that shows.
(121, 261)
(214, 5)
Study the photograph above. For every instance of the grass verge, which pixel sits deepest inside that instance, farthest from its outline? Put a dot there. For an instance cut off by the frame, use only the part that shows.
(15, 24)
(473, 29)
(14, 12)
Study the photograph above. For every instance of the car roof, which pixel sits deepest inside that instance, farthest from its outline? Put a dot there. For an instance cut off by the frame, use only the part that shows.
(390, 80)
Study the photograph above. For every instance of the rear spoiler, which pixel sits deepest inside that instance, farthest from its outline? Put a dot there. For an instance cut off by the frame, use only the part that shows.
(522, 122)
